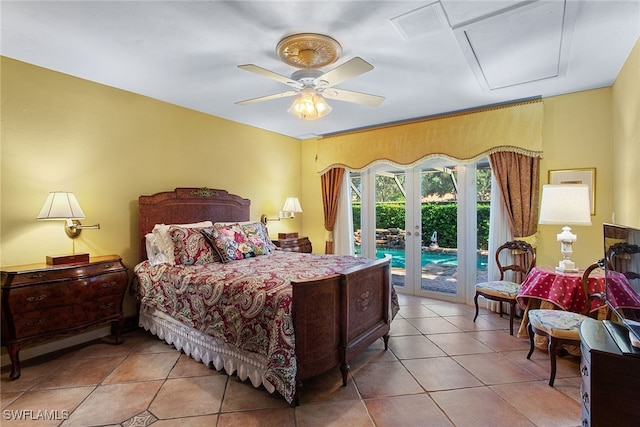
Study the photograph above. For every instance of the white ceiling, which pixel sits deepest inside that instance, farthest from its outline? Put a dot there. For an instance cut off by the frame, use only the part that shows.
(429, 57)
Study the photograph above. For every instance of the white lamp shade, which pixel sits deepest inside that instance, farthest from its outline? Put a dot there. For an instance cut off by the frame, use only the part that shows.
(566, 204)
(292, 204)
(61, 205)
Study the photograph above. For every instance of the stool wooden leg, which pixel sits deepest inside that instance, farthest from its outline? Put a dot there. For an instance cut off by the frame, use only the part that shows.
(553, 350)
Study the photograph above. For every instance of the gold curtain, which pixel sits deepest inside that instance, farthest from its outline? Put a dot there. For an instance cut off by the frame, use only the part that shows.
(466, 136)
(330, 181)
(519, 177)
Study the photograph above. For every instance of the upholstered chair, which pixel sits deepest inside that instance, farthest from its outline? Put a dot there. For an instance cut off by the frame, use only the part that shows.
(506, 288)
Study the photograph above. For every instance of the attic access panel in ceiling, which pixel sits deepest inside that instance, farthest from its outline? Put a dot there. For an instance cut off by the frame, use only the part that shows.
(520, 45)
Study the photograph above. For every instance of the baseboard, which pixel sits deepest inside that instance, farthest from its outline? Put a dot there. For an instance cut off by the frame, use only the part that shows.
(35, 350)
(39, 349)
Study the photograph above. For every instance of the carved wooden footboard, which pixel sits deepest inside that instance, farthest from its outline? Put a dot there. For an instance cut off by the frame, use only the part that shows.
(337, 317)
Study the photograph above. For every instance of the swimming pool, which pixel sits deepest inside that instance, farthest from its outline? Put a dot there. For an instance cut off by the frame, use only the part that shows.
(440, 258)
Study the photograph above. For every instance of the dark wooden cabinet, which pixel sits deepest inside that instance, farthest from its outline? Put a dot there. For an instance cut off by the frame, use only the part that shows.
(41, 301)
(295, 244)
(610, 387)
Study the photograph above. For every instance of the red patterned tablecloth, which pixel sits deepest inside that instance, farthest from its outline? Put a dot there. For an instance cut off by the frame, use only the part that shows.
(562, 289)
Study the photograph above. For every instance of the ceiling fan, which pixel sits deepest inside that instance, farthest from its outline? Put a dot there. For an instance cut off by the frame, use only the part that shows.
(309, 52)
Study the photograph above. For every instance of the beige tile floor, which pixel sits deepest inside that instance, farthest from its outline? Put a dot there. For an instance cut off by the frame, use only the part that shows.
(441, 370)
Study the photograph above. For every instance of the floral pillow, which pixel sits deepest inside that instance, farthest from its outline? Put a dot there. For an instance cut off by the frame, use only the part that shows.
(190, 247)
(258, 237)
(230, 242)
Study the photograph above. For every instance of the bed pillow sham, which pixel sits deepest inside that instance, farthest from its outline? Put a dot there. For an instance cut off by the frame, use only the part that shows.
(162, 247)
(190, 246)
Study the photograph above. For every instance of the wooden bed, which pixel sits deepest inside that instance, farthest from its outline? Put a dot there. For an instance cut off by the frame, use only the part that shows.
(334, 317)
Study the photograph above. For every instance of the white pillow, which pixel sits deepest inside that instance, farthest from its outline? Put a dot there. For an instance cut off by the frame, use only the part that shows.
(164, 244)
(154, 254)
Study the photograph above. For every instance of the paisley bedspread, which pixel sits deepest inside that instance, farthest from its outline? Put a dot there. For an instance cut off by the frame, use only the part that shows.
(245, 303)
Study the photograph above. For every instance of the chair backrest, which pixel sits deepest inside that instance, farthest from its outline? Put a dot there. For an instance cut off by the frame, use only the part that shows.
(523, 258)
(585, 288)
(619, 259)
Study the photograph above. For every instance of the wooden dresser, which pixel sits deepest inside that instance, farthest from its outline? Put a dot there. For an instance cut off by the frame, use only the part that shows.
(41, 301)
(294, 244)
(610, 390)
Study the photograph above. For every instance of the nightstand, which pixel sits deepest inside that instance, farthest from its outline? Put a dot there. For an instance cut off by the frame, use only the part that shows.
(294, 244)
(41, 301)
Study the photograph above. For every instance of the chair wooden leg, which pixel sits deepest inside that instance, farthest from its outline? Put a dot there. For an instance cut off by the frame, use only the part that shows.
(553, 350)
(531, 340)
(475, 300)
(511, 314)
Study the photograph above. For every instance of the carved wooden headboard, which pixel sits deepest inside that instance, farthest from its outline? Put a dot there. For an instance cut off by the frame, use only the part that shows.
(187, 205)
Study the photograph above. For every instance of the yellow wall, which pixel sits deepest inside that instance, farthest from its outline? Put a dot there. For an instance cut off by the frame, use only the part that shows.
(109, 146)
(577, 133)
(626, 142)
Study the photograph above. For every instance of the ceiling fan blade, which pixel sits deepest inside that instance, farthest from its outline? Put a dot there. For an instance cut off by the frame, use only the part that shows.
(352, 68)
(268, 97)
(354, 97)
(271, 75)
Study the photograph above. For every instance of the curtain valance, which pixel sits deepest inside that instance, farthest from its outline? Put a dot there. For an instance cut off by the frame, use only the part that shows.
(465, 136)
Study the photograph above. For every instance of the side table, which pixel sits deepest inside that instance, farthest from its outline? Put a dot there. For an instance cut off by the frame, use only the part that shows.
(295, 244)
(41, 301)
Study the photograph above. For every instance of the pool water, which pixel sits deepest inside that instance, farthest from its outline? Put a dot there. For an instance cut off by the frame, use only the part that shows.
(440, 258)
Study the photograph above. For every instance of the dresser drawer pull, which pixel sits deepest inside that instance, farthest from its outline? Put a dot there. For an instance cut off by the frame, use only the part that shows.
(36, 275)
(38, 298)
(584, 371)
(585, 398)
(106, 306)
(109, 284)
(35, 322)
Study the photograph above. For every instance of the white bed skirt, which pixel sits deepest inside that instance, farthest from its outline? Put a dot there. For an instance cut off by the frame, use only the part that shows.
(204, 348)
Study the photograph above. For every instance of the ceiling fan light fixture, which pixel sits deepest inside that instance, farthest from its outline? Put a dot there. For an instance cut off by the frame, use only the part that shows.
(310, 105)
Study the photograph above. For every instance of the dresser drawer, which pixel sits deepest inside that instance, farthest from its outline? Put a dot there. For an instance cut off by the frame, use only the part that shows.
(101, 308)
(96, 286)
(65, 272)
(34, 297)
(585, 387)
(28, 324)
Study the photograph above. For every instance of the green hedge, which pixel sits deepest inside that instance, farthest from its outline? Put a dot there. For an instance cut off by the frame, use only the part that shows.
(440, 217)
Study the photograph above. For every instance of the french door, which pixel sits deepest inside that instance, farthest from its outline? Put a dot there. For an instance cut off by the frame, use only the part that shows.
(431, 255)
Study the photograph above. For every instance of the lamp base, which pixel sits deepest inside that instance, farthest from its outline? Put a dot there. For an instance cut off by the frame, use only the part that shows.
(566, 266)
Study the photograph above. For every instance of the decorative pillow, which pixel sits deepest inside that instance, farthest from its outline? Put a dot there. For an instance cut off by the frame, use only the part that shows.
(190, 247)
(163, 239)
(258, 238)
(230, 242)
(254, 228)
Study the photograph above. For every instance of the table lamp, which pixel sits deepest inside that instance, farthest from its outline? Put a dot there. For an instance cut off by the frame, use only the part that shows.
(566, 204)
